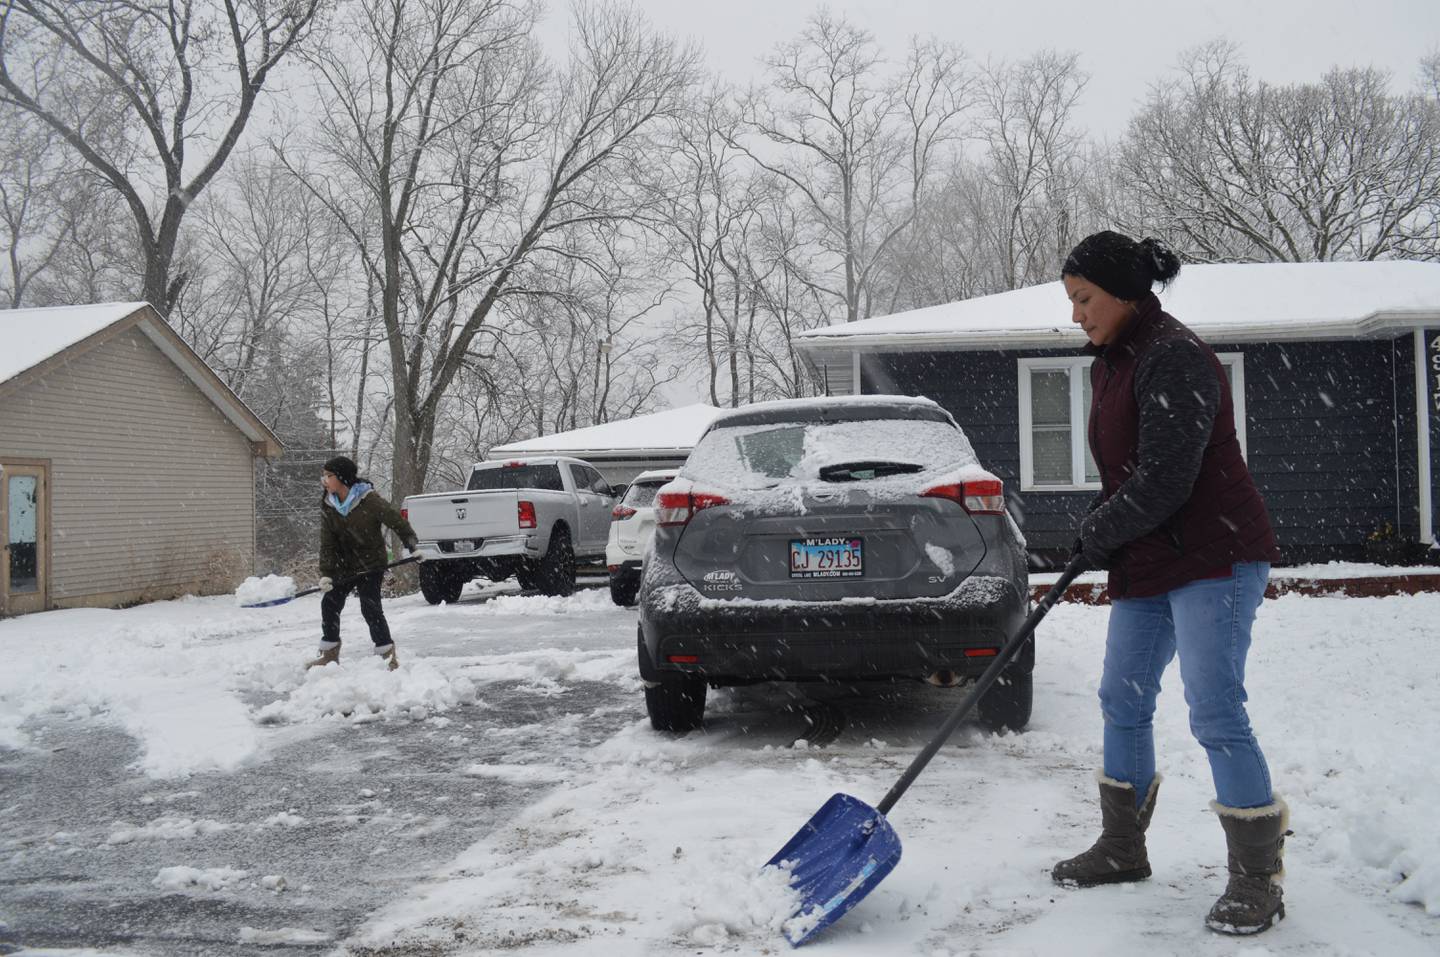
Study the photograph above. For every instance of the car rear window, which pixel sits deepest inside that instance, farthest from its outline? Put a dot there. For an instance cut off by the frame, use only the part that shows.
(642, 494)
(544, 477)
(763, 456)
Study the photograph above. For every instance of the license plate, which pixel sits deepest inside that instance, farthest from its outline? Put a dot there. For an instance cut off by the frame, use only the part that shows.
(842, 557)
(463, 545)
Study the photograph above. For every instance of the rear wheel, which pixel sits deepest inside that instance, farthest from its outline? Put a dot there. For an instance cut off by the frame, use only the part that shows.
(1006, 706)
(624, 586)
(676, 702)
(555, 574)
(443, 581)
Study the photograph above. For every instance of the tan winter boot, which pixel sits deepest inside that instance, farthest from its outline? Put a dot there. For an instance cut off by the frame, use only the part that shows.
(1119, 855)
(329, 652)
(1255, 837)
(388, 653)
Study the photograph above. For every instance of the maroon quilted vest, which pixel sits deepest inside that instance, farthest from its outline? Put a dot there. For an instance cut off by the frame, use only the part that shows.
(1224, 520)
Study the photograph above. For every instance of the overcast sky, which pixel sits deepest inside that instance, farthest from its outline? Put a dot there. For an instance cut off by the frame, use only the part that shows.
(1123, 44)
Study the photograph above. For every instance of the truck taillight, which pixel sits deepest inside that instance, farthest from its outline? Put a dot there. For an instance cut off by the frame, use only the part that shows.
(621, 511)
(979, 497)
(527, 514)
(405, 514)
(677, 508)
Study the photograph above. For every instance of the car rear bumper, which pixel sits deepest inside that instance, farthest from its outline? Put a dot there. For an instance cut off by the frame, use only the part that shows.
(499, 546)
(745, 641)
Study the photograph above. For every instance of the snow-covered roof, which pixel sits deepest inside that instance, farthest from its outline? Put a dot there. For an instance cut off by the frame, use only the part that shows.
(1229, 302)
(31, 337)
(675, 430)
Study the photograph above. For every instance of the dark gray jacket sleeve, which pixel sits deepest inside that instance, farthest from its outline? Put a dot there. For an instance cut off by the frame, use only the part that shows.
(1178, 394)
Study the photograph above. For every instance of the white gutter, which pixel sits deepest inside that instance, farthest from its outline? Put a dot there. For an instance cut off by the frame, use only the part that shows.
(1422, 433)
(1068, 337)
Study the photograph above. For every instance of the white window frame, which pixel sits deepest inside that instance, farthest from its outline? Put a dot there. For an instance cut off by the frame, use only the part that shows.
(1078, 366)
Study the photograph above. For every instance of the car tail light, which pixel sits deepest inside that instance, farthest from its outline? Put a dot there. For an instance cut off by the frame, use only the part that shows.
(527, 514)
(405, 514)
(621, 511)
(513, 465)
(981, 652)
(979, 497)
(677, 508)
(685, 659)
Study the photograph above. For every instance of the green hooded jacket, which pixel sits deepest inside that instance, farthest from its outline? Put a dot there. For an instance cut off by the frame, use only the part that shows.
(355, 543)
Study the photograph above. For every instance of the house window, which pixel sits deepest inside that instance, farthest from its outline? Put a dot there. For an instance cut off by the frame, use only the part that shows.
(1055, 409)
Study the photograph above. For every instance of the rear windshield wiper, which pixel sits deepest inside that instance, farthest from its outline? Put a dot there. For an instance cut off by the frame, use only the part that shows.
(860, 471)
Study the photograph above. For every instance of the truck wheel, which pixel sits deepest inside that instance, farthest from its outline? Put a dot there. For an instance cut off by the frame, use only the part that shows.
(624, 586)
(443, 581)
(1006, 706)
(556, 573)
(676, 702)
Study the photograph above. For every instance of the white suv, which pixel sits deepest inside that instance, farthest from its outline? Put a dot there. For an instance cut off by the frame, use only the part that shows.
(632, 525)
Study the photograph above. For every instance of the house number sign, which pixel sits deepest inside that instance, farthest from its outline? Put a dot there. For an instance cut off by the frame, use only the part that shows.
(1435, 373)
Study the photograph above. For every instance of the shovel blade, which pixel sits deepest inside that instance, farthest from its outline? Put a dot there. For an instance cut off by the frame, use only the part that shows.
(834, 861)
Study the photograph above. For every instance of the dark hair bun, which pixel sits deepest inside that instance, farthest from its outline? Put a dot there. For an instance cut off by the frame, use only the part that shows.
(1162, 262)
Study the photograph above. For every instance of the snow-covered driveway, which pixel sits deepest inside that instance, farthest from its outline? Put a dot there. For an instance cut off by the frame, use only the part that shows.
(171, 782)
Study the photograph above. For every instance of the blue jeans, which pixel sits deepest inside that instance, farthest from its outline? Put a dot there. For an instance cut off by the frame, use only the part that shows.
(1208, 623)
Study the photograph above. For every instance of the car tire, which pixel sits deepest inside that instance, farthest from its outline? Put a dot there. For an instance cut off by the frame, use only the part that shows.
(555, 574)
(624, 587)
(1006, 706)
(676, 702)
(443, 581)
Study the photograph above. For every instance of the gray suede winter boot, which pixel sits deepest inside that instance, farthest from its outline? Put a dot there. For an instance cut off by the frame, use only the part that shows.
(387, 652)
(1255, 837)
(1119, 855)
(329, 653)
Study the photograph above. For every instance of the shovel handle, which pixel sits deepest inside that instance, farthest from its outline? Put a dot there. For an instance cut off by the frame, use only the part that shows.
(982, 685)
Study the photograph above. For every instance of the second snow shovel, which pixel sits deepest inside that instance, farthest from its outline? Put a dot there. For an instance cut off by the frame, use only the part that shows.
(268, 603)
(848, 847)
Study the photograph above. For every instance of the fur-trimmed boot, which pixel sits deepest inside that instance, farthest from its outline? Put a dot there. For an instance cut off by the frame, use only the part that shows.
(1255, 837)
(388, 653)
(329, 654)
(1119, 855)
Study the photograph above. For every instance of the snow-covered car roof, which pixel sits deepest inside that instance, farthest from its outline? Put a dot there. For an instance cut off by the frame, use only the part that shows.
(781, 410)
(656, 475)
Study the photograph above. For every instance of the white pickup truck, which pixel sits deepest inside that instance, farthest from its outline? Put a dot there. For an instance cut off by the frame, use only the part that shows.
(531, 518)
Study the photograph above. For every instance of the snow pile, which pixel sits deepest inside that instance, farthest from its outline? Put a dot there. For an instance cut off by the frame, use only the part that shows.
(164, 829)
(362, 689)
(283, 935)
(255, 590)
(164, 674)
(584, 602)
(525, 774)
(184, 878)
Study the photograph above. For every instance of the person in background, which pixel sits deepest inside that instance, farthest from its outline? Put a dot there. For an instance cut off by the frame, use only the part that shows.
(1185, 535)
(352, 546)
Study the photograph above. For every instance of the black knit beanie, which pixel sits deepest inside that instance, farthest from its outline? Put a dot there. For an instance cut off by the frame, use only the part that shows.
(1121, 266)
(343, 468)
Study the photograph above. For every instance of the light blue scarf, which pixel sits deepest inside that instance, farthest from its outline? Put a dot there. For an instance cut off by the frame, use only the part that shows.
(357, 492)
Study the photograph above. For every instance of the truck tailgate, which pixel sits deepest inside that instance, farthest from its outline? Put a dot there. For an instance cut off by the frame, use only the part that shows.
(477, 515)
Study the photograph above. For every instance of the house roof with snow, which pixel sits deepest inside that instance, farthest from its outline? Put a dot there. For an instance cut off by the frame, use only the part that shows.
(658, 434)
(1230, 302)
(35, 341)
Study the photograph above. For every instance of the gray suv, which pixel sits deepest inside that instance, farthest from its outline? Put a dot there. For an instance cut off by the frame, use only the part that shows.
(838, 539)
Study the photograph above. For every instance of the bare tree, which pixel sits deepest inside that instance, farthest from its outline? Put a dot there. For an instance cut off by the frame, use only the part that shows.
(440, 119)
(1230, 168)
(160, 69)
(857, 144)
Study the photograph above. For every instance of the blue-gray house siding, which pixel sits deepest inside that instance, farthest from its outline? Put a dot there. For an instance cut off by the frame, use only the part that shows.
(1330, 429)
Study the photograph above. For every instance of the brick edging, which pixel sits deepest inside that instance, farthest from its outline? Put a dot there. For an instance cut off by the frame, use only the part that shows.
(1374, 587)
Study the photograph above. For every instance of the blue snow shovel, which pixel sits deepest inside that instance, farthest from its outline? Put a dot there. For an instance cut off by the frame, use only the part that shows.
(848, 847)
(270, 603)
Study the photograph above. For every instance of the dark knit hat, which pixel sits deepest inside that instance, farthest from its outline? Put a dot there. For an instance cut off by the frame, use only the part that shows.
(1121, 266)
(343, 468)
